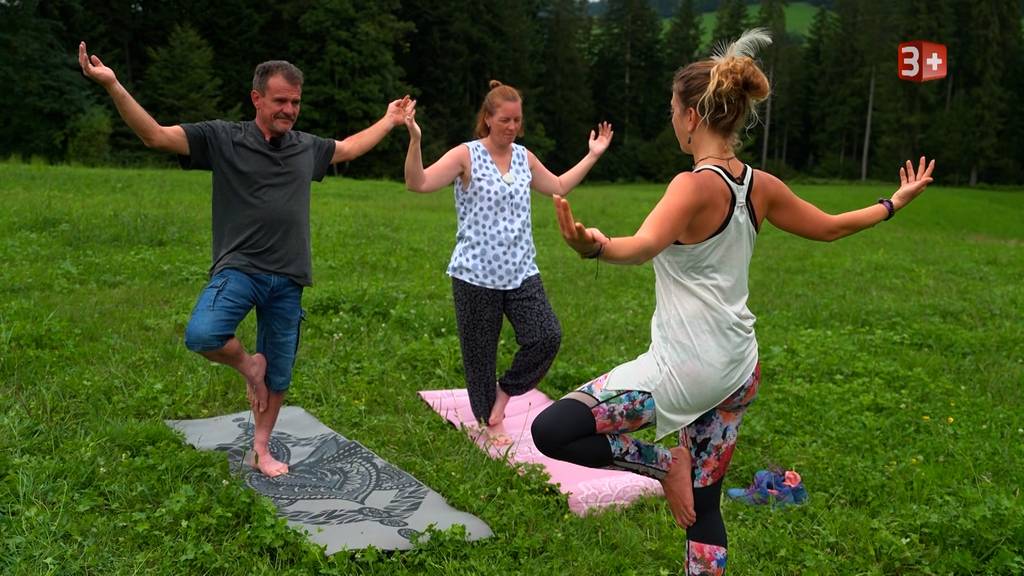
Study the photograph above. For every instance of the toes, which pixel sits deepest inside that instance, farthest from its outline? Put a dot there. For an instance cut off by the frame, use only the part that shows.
(272, 468)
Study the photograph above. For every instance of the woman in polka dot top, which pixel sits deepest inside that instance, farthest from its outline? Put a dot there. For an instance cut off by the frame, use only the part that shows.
(493, 271)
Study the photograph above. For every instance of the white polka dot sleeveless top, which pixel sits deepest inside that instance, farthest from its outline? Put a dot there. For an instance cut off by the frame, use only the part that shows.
(494, 242)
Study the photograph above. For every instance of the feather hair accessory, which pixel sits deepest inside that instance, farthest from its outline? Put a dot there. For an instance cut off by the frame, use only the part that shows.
(713, 105)
(747, 45)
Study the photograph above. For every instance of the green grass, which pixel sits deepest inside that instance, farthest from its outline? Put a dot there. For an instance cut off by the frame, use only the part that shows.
(869, 347)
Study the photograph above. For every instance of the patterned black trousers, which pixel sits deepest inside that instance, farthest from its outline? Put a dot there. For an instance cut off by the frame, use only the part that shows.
(479, 312)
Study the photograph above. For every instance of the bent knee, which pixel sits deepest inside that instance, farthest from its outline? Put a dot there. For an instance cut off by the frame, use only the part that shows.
(200, 338)
(551, 341)
(545, 433)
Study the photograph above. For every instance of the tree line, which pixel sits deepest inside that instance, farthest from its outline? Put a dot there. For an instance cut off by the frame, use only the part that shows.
(837, 108)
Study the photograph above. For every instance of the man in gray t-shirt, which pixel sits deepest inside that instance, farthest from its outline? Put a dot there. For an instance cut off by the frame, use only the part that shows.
(262, 171)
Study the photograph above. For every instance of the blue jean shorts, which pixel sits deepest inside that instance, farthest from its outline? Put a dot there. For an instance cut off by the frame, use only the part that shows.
(228, 298)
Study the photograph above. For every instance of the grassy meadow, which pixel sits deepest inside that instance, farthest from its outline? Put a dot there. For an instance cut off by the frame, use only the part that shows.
(893, 381)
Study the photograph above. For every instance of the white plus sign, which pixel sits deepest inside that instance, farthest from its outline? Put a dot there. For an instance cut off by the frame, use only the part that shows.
(934, 61)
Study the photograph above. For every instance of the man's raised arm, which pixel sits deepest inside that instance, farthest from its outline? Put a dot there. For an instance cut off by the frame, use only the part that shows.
(152, 134)
(362, 142)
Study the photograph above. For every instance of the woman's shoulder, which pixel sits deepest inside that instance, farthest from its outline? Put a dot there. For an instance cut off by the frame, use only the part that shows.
(766, 176)
(520, 149)
(766, 180)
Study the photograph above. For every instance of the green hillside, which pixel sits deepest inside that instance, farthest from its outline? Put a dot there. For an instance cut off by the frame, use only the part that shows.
(799, 16)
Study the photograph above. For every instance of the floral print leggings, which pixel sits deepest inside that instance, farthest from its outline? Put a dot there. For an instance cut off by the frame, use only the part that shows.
(711, 438)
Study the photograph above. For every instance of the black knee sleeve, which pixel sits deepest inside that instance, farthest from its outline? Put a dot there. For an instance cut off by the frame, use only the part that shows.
(709, 527)
(559, 424)
(566, 431)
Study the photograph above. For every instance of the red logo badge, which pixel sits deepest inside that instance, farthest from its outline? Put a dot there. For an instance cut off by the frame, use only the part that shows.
(921, 61)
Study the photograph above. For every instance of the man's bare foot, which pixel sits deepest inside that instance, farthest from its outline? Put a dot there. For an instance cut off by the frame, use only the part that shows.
(498, 411)
(678, 487)
(255, 372)
(269, 466)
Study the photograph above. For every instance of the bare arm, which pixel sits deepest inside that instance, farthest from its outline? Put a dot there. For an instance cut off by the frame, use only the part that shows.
(152, 134)
(362, 142)
(440, 173)
(789, 212)
(550, 185)
(662, 227)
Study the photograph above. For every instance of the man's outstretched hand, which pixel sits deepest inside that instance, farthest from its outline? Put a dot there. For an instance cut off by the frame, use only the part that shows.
(94, 69)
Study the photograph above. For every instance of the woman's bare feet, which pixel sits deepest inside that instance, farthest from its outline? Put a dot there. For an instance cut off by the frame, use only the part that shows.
(678, 487)
(498, 411)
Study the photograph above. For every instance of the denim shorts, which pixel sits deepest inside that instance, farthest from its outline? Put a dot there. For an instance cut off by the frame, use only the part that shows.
(226, 300)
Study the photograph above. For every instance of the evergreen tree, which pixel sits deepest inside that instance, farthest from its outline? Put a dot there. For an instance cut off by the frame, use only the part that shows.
(731, 21)
(630, 88)
(772, 17)
(458, 47)
(991, 39)
(845, 100)
(811, 82)
(44, 91)
(437, 70)
(908, 112)
(627, 58)
(683, 37)
(562, 92)
(238, 33)
(350, 72)
(180, 85)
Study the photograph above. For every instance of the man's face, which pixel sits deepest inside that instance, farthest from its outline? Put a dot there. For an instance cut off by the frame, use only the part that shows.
(277, 108)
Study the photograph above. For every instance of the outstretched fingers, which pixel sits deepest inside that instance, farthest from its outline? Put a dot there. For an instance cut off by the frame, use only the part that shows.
(601, 138)
(87, 62)
(927, 171)
(566, 223)
(922, 176)
(83, 58)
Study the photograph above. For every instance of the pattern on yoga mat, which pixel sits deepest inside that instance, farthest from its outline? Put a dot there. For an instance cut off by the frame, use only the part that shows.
(343, 495)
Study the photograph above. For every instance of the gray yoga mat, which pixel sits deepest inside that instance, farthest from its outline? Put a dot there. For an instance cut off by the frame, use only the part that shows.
(340, 493)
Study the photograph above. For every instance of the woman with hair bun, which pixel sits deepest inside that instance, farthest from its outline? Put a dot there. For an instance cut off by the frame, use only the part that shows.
(493, 271)
(701, 371)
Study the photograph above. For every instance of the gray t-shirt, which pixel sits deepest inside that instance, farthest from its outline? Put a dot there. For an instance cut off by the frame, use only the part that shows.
(260, 195)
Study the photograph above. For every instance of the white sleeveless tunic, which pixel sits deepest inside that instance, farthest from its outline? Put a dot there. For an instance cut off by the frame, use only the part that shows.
(703, 346)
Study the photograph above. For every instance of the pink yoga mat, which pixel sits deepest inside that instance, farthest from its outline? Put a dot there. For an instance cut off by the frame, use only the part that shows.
(588, 488)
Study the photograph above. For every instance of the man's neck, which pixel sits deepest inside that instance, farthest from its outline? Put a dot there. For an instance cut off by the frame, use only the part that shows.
(267, 134)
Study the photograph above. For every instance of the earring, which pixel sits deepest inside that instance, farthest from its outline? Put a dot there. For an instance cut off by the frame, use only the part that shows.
(689, 139)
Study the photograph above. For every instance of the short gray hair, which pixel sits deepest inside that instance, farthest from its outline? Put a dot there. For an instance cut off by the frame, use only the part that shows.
(270, 68)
